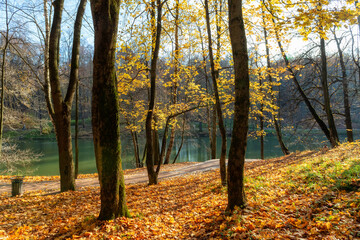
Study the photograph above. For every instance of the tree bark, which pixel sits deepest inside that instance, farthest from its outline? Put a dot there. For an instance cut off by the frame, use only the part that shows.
(215, 76)
(213, 144)
(334, 139)
(156, 33)
(345, 84)
(156, 146)
(61, 118)
(236, 192)
(105, 110)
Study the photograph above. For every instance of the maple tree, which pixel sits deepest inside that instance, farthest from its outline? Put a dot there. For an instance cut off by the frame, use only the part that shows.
(178, 92)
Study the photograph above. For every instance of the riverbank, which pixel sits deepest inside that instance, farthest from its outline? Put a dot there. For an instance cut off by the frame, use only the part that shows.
(49, 184)
(307, 195)
(194, 149)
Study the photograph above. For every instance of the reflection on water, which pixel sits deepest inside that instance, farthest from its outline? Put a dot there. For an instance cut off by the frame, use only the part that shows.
(193, 150)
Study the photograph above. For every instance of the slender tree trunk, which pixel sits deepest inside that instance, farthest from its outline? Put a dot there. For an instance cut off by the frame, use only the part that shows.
(3, 70)
(261, 119)
(136, 149)
(156, 149)
(105, 110)
(3, 66)
(182, 139)
(211, 110)
(40, 116)
(77, 130)
(175, 83)
(47, 86)
(334, 139)
(215, 76)
(170, 146)
(213, 141)
(236, 192)
(284, 149)
(348, 123)
(156, 33)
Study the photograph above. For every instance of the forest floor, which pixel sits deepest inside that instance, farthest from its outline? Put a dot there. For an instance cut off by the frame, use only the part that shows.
(306, 195)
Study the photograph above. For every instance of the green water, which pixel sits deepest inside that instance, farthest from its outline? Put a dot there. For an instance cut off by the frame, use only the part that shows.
(193, 150)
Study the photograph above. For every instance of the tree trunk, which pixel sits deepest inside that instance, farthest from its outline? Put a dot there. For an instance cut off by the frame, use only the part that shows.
(77, 130)
(63, 136)
(236, 192)
(170, 146)
(3, 64)
(334, 139)
(61, 118)
(215, 76)
(284, 149)
(156, 147)
(182, 139)
(213, 145)
(261, 119)
(175, 84)
(3, 70)
(348, 123)
(47, 87)
(211, 110)
(105, 111)
(136, 149)
(156, 33)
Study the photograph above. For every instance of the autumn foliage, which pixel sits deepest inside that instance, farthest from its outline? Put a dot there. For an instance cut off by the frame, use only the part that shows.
(308, 195)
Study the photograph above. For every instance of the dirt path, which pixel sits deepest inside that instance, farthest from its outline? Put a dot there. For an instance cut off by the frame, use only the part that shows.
(139, 176)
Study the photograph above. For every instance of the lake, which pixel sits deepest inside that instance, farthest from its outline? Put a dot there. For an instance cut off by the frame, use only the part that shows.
(193, 150)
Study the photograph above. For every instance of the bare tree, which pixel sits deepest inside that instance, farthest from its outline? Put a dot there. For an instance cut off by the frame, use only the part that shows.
(215, 77)
(60, 110)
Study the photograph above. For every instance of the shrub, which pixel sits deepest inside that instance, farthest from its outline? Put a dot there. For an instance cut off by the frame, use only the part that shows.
(14, 161)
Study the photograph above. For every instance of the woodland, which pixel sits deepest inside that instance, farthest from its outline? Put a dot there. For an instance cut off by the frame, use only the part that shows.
(164, 69)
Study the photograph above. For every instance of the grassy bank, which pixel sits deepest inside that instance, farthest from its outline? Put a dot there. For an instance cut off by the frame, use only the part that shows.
(307, 195)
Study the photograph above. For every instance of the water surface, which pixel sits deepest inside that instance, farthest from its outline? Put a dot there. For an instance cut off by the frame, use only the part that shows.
(193, 150)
